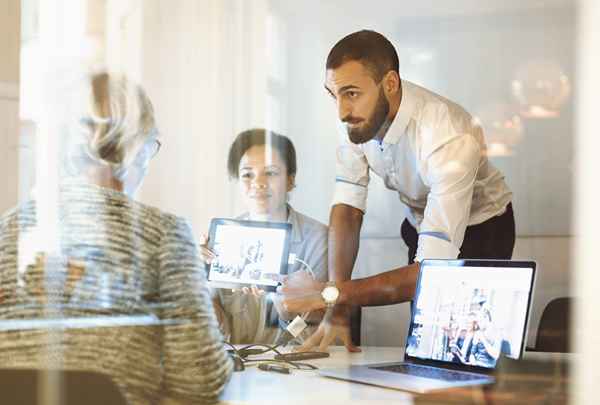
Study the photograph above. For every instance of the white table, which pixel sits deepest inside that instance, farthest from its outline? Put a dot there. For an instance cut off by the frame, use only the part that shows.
(254, 386)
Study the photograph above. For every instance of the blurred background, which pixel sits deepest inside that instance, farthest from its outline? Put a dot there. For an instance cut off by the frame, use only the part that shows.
(216, 67)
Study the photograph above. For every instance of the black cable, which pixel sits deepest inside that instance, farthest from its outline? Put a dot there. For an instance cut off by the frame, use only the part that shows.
(238, 361)
(250, 351)
(243, 352)
(295, 364)
(232, 348)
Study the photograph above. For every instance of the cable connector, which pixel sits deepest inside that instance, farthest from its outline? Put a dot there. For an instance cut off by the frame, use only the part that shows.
(293, 259)
(292, 331)
(271, 367)
(296, 326)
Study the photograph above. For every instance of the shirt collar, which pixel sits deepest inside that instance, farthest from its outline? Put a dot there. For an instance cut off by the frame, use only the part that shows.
(403, 115)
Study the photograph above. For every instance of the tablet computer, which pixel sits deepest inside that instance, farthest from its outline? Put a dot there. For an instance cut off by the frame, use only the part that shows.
(248, 252)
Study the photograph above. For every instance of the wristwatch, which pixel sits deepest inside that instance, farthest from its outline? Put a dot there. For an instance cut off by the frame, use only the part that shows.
(330, 294)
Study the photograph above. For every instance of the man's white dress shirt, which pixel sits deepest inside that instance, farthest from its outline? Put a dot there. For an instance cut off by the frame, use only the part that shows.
(434, 156)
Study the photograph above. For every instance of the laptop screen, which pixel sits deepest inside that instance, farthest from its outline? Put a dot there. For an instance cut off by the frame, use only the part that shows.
(470, 312)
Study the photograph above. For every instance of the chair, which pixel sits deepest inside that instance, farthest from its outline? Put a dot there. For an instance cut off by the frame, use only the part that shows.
(554, 328)
(18, 386)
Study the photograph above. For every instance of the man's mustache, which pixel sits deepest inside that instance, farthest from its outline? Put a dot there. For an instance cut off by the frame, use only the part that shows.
(352, 120)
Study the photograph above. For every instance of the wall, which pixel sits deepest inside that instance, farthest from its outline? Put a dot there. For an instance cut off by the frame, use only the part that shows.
(469, 53)
(9, 102)
(203, 66)
(586, 331)
(216, 67)
(9, 40)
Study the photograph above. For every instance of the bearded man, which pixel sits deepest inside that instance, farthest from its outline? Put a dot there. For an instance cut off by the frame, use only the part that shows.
(426, 148)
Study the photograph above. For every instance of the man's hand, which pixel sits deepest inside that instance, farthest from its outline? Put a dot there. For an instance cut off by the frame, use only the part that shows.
(300, 292)
(335, 325)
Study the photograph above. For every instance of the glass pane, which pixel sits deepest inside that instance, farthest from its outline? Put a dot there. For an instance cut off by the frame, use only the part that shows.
(187, 178)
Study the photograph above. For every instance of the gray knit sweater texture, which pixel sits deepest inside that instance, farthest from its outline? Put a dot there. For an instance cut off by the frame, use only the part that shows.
(139, 264)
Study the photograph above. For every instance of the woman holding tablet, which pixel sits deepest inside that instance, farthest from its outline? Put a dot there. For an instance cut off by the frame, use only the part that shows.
(264, 165)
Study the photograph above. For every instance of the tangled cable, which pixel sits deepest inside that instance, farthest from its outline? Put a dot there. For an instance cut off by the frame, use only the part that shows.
(257, 349)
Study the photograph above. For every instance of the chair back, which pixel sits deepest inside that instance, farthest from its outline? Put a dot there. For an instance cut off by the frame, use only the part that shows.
(554, 328)
(21, 386)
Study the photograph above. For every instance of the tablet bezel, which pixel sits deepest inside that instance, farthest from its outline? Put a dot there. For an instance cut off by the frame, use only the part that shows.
(286, 226)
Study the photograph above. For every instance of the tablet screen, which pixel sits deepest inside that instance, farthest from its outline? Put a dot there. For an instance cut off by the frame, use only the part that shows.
(249, 252)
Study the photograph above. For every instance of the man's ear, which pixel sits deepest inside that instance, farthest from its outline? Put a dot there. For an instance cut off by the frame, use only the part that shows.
(291, 182)
(391, 83)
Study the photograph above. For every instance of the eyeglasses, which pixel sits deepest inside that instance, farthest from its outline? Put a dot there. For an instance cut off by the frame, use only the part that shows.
(148, 152)
(155, 148)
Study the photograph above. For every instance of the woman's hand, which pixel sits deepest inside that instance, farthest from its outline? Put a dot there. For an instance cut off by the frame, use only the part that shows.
(224, 325)
(206, 254)
(254, 290)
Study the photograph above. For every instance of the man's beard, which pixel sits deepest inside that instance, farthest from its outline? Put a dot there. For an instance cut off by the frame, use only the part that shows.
(373, 124)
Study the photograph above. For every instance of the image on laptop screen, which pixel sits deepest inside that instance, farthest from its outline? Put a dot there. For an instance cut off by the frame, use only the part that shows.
(469, 315)
(248, 254)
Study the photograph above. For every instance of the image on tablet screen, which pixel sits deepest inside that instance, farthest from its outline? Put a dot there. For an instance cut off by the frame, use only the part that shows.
(247, 255)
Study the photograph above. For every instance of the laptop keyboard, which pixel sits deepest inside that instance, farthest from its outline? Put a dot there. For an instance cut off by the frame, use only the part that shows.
(429, 372)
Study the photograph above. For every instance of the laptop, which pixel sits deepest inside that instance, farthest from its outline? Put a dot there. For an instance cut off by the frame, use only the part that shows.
(465, 315)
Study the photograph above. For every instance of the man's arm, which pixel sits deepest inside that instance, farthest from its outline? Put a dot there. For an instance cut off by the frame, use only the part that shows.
(345, 222)
(344, 238)
(392, 287)
(301, 291)
(349, 204)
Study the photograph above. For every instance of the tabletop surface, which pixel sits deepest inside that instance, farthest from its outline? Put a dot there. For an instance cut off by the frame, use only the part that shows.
(542, 382)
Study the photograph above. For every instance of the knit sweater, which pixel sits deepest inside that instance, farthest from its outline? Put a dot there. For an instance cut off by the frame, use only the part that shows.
(140, 276)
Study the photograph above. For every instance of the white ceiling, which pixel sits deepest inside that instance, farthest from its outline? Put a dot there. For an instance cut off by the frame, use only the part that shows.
(386, 9)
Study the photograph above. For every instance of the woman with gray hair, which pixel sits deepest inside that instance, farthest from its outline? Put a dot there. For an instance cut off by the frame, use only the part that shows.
(127, 261)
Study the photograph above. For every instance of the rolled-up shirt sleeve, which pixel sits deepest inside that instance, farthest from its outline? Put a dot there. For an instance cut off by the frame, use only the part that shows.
(352, 177)
(450, 171)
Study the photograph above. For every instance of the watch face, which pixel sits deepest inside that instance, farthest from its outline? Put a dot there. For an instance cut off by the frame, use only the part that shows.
(330, 294)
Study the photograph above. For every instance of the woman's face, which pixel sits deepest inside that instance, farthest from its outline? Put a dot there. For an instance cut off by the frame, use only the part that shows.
(264, 183)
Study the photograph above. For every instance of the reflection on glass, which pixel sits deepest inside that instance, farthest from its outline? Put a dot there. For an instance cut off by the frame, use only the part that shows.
(502, 127)
(541, 88)
(264, 165)
(123, 294)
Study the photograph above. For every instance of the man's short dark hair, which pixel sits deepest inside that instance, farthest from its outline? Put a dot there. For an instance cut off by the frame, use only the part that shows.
(370, 48)
(258, 137)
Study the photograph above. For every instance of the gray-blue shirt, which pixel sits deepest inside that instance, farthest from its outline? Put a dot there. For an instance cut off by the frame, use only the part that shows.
(247, 316)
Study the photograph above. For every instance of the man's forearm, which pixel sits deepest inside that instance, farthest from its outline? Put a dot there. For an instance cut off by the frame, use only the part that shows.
(315, 316)
(344, 237)
(387, 288)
